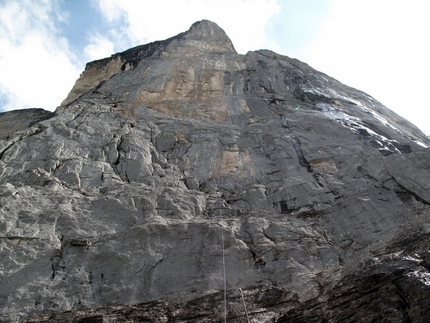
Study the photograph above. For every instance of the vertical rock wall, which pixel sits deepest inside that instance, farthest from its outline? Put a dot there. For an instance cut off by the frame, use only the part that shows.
(112, 208)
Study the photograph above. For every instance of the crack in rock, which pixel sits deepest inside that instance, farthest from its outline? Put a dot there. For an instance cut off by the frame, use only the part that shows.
(296, 144)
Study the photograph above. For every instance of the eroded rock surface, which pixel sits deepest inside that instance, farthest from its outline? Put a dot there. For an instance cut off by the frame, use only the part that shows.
(116, 207)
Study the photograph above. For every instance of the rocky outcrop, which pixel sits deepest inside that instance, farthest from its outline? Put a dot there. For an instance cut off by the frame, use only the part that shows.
(202, 38)
(17, 120)
(391, 288)
(173, 161)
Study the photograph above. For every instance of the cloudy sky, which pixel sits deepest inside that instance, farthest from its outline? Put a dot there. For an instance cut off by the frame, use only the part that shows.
(378, 46)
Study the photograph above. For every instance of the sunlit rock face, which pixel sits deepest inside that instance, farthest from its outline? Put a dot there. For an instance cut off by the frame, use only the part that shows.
(175, 159)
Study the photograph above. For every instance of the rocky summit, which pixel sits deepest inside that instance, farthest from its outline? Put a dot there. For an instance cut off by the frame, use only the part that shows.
(182, 182)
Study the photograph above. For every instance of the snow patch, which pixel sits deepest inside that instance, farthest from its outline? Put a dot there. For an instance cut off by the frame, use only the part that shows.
(417, 259)
(376, 261)
(378, 141)
(420, 143)
(336, 95)
(422, 275)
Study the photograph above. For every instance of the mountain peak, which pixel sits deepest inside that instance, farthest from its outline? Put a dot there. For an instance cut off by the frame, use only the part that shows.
(180, 171)
(203, 37)
(208, 36)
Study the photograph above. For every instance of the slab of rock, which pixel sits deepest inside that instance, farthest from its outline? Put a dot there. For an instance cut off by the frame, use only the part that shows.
(175, 159)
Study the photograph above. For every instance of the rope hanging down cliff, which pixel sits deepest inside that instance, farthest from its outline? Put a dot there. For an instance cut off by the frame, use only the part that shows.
(225, 279)
(223, 268)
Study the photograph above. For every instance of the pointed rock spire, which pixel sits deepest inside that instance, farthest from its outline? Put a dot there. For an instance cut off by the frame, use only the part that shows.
(208, 36)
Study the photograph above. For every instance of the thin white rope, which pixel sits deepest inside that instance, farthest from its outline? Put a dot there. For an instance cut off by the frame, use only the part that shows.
(244, 305)
(223, 267)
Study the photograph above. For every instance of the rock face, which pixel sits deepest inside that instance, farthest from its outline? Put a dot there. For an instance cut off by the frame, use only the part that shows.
(174, 161)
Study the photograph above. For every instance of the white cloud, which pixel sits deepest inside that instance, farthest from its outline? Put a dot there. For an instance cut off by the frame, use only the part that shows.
(36, 67)
(378, 47)
(244, 21)
(98, 47)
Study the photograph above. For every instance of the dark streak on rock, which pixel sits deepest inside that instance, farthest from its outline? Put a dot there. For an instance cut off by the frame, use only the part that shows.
(283, 206)
(407, 191)
(296, 144)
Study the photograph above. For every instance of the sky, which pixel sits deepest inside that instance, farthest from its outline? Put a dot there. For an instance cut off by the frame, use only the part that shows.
(377, 46)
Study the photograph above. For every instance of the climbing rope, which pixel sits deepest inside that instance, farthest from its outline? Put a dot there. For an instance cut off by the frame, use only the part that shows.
(224, 276)
(244, 305)
(223, 268)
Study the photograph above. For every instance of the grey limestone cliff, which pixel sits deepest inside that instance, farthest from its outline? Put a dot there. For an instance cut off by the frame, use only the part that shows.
(170, 159)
